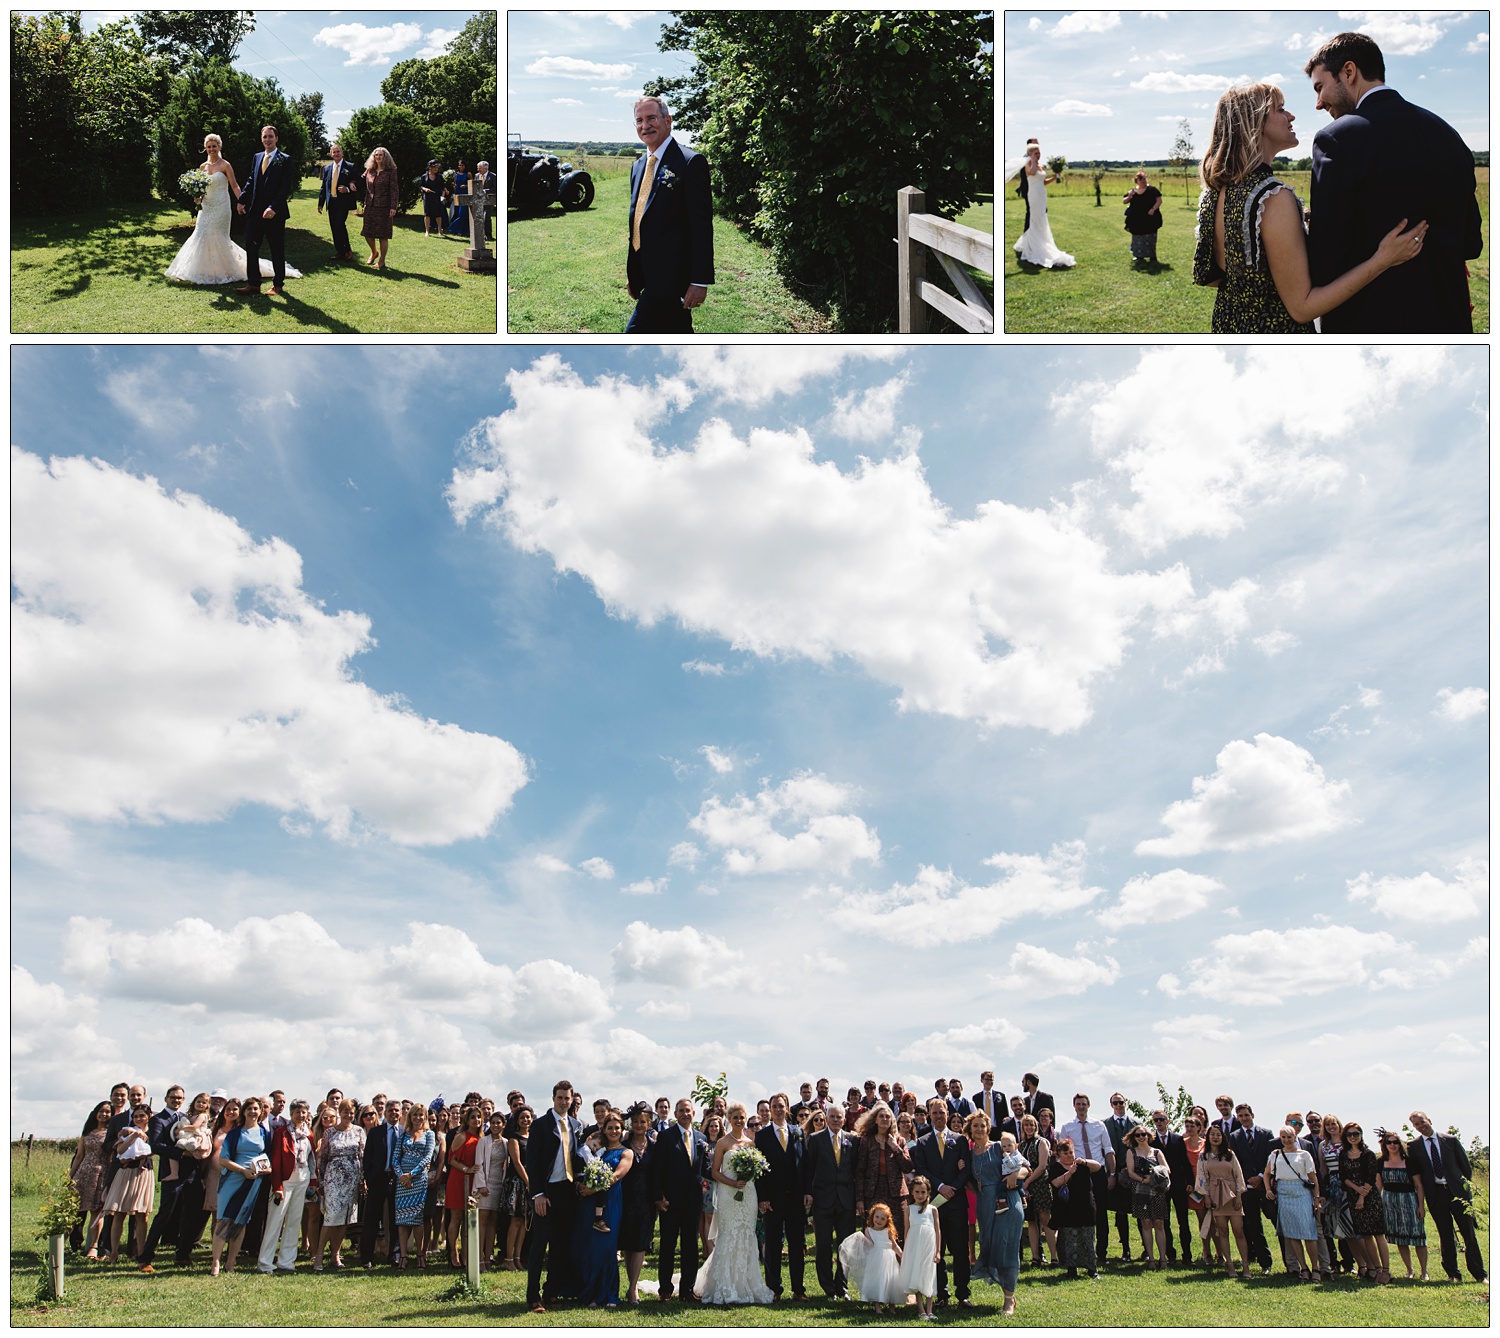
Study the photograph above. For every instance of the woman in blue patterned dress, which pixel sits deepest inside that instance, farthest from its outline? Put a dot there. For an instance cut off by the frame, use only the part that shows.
(418, 1145)
(239, 1182)
(596, 1252)
(1405, 1201)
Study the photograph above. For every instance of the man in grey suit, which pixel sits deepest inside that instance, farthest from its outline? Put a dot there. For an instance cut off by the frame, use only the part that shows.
(828, 1193)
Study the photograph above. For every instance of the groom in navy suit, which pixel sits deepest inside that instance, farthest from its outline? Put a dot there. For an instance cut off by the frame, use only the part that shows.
(670, 262)
(263, 202)
(780, 1193)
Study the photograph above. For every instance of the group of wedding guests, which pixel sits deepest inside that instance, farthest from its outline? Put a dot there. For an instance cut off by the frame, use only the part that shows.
(908, 1200)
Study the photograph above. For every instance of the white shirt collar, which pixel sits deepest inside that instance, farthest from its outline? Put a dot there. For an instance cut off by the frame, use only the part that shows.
(1379, 88)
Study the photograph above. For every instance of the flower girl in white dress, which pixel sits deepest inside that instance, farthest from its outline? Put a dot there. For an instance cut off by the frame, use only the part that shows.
(872, 1259)
(924, 1237)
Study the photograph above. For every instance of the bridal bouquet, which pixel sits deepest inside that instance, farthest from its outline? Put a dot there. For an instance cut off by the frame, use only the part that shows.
(450, 176)
(598, 1176)
(746, 1163)
(195, 183)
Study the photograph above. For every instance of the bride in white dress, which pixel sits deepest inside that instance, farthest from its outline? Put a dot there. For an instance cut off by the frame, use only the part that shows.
(731, 1274)
(209, 256)
(1036, 246)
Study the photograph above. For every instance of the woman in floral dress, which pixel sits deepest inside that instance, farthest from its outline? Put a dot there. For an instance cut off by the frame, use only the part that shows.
(87, 1171)
(881, 1166)
(1360, 1174)
(340, 1170)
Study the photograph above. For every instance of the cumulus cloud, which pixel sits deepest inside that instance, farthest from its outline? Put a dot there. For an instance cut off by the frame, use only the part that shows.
(1427, 897)
(1401, 32)
(645, 887)
(57, 1052)
(436, 43)
(868, 415)
(1464, 704)
(1480, 46)
(755, 373)
(684, 855)
(720, 762)
(965, 1049)
(1073, 107)
(1007, 616)
(570, 67)
(1418, 972)
(1169, 81)
(1194, 1027)
(1263, 450)
(1157, 898)
(167, 666)
(1273, 643)
(822, 836)
(1262, 793)
(1041, 973)
(597, 867)
(294, 959)
(683, 958)
(937, 907)
(567, 102)
(1282, 963)
(665, 1011)
(709, 669)
(1086, 21)
(369, 46)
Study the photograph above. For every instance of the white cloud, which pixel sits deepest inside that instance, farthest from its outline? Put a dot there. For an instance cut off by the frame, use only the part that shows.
(1041, 973)
(824, 838)
(1282, 963)
(166, 666)
(1198, 1027)
(436, 43)
(684, 855)
(1426, 897)
(683, 958)
(621, 18)
(597, 867)
(821, 963)
(1401, 32)
(369, 46)
(660, 1009)
(1007, 616)
(57, 1053)
(937, 907)
(1262, 793)
(1263, 450)
(704, 667)
(868, 415)
(1422, 971)
(570, 67)
(552, 864)
(567, 102)
(1086, 21)
(1455, 1044)
(720, 762)
(1464, 704)
(966, 1049)
(1479, 46)
(294, 959)
(1033, 23)
(645, 887)
(1168, 81)
(755, 373)
(1158, 898)
(1073, 107)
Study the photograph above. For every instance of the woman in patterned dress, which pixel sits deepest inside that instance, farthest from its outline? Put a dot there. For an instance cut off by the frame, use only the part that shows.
(1251, 241)
(1336, 1223)
(1360, 1173)
(517, 1186)
(1140, 1157)
(1405, 1201)
(1038, 1151)
(713, 1129)
(490, 1160)
(340, 1170)
(881, 1166)
(87, 1171)
(413, 1156)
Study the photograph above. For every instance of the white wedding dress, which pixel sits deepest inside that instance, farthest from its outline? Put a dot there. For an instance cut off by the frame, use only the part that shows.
(209, 256)
(1036, 246)
(731, 1274)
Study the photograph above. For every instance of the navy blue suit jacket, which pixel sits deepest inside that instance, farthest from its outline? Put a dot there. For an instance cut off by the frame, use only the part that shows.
(269, 190)
(327, 196)
(1388, 161)
(677, 229)
(1252, 1147)
(953, 1167)
(781, 1186)
(541, 1150)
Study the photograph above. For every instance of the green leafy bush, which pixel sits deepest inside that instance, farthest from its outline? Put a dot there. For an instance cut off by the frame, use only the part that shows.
(396, 129)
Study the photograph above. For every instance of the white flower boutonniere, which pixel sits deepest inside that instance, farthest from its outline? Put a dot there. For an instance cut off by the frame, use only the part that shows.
(666, 176)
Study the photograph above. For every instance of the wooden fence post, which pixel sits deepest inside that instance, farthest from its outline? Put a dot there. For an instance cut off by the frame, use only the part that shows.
(911, 262)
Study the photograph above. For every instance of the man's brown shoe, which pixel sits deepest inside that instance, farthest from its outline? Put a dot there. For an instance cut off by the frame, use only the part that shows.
(277, 289)
(249, 289)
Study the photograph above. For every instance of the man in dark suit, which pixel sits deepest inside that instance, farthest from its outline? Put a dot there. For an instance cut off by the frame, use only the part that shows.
(828, 1193)
(1381, 160)
(1443, 1164)
(484, 184)
(168, 1213)
(552, 1161)
(382, 1143)
(679, 1178)
(662, 1121)
(1225, 1118)
(1011, 1124)
(670, 262)
(337, 192)
(959, 1106)
(1252, 1147)
(780, 1193)
(263, 200)
(1036, 1099)
(944, 1158)
(991, 1100)
(1175, 1151)
(805, 1102)
(1117, 1126)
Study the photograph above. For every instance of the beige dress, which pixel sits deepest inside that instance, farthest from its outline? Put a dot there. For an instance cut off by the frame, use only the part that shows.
(1222, 1183)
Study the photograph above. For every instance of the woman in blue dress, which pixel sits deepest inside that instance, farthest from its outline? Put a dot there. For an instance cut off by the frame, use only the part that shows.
(998, 1172)
(239, 1182)
(597, 1251)
(459, 223)
(413, 1157)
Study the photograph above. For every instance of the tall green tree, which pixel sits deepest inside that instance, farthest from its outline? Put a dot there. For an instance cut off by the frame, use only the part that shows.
(813, 121)
(397, 130)
(185, 36)
(459, 85)
(309, 106)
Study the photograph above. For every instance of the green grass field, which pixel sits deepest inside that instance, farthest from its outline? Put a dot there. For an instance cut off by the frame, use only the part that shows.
(1126, 1296)
(102, 272)
(1105, 295)
(566, 272)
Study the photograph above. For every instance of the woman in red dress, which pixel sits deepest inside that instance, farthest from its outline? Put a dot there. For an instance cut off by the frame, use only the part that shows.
(460, 1180)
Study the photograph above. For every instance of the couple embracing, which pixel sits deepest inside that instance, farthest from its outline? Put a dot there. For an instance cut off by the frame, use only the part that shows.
(1393, 215)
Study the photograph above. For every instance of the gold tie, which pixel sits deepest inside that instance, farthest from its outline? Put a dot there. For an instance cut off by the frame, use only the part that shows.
(836, 1156)
(567, 1151)
(687, 1136)
(265, 162)
(642, 199)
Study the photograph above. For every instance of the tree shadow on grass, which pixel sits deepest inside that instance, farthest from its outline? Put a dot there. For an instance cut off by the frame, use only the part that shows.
(304, 313)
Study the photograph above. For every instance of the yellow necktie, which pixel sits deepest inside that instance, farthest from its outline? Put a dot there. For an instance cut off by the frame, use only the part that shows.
(265, 162)
(836, 1156)
(642, 199)
(567, 1151)
(687, 1143)
(781, 1134)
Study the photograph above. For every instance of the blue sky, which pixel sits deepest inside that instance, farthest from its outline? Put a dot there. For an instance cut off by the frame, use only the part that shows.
(1115, 83)
(343, 54)
(422, 719)
(574, 75)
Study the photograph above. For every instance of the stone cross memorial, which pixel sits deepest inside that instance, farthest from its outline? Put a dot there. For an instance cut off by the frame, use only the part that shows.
(477, 258)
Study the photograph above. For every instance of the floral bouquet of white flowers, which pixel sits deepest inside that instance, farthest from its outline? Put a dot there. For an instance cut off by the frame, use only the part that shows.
(195, 182)
(598, 1176)
(746, 1163)
(450, 176)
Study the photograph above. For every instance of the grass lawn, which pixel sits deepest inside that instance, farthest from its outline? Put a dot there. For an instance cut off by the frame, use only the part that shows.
(98, 1294)
(102, 272)
(1103, 294)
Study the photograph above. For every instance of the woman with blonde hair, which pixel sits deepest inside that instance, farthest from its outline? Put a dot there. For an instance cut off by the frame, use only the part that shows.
(1251, 239)
(380, 204)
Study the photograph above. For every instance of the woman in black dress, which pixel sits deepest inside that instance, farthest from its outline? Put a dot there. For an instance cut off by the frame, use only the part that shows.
(517, 1187)
(1071, 1178)
(1143, 219)
(638, 1213)
(1360, 1172)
